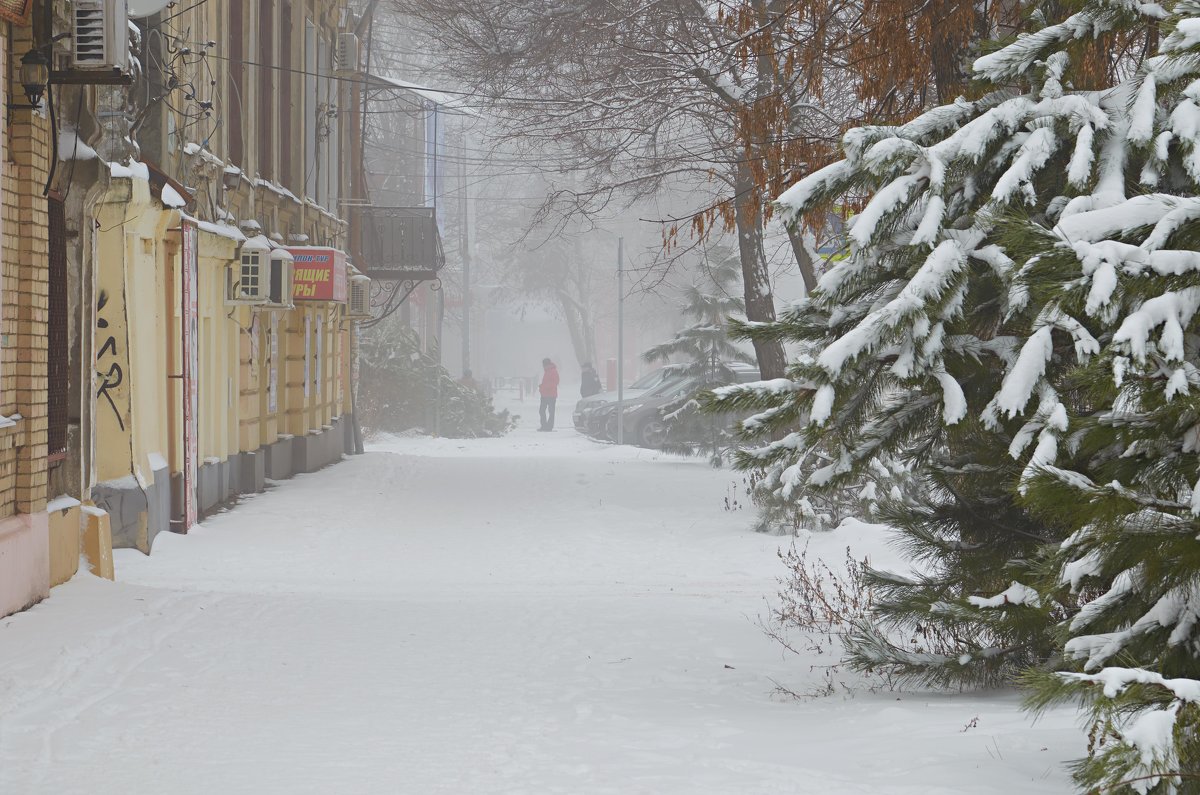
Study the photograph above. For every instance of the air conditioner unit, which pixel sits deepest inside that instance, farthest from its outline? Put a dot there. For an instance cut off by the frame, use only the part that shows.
(358, 307)
(247, 279)
(280, 281)
(345, 55)
(100, 35)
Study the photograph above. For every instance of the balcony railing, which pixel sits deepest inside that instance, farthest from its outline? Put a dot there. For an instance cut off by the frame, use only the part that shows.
(400, 243)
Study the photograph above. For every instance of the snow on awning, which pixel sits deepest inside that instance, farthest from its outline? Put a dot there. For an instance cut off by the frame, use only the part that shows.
(446, 102)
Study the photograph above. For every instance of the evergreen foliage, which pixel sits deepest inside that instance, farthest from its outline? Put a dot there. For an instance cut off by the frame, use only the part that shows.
(928, 344)
(1016, 318)
(703, 352)
(1126, 486)
(914, 345)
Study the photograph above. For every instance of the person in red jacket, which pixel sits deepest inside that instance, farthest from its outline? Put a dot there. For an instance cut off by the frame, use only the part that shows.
(549, 392)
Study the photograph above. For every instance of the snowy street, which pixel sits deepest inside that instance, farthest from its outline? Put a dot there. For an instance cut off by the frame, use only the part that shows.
(531, 614)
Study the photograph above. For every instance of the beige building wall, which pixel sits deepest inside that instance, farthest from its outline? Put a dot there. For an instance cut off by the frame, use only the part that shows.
(134, 356)
(267, 377)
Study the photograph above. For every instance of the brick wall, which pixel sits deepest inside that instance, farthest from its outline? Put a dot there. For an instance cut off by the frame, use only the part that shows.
(24, 299)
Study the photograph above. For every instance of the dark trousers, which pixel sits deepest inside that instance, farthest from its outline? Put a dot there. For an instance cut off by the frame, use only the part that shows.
(546, 412)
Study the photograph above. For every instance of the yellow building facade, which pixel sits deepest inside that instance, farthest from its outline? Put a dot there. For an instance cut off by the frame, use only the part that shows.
(157, 357)
(257, 392)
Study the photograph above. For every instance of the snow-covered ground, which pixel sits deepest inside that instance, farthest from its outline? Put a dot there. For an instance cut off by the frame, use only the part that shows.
(532, 614)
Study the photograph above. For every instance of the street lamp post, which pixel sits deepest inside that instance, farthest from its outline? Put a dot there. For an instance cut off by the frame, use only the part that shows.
(620, 340)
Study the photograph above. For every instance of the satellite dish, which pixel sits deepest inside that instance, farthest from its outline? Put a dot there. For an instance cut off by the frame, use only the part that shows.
(145, 8)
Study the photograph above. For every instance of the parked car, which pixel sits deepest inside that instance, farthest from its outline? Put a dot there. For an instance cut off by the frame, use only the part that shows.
(643, 417)
(589, 404)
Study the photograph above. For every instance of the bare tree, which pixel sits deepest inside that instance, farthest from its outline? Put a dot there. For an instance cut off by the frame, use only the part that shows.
(633, 97)
(727, 102)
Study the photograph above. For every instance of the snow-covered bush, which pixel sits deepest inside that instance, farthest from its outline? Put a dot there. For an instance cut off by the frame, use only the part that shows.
(400, 388)
(817, 606)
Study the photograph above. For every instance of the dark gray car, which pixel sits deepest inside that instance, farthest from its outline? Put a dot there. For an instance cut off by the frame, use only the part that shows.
(644, 424)
(587, 405)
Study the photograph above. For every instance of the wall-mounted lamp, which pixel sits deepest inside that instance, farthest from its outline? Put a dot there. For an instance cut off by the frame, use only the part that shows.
(35, 74)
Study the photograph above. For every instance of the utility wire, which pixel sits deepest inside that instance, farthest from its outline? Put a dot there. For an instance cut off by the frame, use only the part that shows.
(384, 84)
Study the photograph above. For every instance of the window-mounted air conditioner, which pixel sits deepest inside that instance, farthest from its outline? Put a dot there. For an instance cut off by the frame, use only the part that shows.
(358, 304)
(100, 35)
(345, 55)
(247, 280)
(280, 280)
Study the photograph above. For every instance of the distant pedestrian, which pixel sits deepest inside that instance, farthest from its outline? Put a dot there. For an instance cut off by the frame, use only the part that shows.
(591, 381)
(549, 392)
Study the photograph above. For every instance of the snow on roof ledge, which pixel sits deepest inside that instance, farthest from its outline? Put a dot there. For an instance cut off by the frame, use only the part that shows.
(135, 169)
(221, 230)
(71, 147)
(171, 197)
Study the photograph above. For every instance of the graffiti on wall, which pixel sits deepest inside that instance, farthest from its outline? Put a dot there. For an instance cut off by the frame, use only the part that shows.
(114, 376)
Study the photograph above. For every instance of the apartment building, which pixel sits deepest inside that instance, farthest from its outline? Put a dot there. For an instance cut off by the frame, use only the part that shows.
(179, 284)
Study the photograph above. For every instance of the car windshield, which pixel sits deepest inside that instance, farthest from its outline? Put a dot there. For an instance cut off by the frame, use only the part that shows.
(673, 387)
(650, 380)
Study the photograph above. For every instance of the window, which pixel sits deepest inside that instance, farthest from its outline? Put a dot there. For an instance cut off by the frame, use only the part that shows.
(287, 161)
(267, 110)
(322, 165)
(251, 269)
(310, 109)
(237, 52)
(332, 160)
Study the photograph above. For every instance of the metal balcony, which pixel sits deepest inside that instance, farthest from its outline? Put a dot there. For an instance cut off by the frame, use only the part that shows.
(400, 243)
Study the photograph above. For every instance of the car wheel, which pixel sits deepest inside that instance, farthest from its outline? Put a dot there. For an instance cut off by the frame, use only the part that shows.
(652, 433)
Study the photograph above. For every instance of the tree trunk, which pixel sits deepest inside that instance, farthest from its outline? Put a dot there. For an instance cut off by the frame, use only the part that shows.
(946, 52)
(579, 327)
(804, 260)
(756, 281)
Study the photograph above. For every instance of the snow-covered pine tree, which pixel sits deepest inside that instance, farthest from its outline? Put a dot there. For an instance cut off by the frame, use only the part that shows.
(910, 336)
(702, 353)
(1122, 475)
